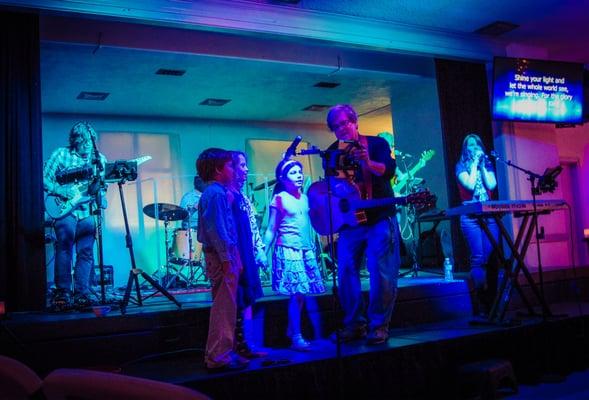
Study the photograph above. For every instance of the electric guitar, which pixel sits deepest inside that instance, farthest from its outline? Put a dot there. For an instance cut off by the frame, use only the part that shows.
(425, 157)
(58, 207)
(347, 208)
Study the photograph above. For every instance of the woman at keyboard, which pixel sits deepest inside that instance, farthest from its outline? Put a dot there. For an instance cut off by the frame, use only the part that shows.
(476, 181)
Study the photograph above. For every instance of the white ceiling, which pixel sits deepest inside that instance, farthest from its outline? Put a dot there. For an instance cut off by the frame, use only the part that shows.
(271, 78)
(561, 26)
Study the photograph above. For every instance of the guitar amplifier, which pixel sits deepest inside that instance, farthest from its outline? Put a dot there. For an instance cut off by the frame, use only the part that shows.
(109, 280)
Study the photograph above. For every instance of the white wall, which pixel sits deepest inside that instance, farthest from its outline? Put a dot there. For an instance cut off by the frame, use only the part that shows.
(192, 137)
(536, 147)
(417, 128)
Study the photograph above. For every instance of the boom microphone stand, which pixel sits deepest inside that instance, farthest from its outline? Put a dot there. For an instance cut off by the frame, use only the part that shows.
(99, 186)
(330, 159)
(125, 171)
(546, 183)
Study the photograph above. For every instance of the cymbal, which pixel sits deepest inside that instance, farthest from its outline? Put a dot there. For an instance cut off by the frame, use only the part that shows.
(262, 185)
(165, 211)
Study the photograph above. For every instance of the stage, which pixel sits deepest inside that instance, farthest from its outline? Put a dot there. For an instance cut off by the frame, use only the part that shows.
(432, 336)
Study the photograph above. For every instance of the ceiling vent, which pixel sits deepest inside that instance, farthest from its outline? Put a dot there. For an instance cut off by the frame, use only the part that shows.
(496, 28)
(98, 96)
(214, 102)
(326, 85)
(170, 72)
(316, 107)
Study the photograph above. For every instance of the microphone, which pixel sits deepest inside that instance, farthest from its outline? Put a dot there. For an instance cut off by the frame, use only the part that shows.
(399, 153)
(292, 149)
(491, 156)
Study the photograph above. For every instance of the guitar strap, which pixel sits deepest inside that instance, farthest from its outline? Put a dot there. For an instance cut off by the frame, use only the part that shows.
(366, 175)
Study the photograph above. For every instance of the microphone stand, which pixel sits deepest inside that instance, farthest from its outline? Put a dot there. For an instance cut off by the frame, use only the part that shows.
(98, 177)
(330, 167)
(535, 190)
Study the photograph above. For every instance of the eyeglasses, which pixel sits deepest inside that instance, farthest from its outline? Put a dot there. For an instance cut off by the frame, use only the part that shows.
(341, 124)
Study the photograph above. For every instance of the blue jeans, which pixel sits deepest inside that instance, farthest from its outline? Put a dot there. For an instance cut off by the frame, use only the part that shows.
(70, 232)
(480, 247)
(380, 243)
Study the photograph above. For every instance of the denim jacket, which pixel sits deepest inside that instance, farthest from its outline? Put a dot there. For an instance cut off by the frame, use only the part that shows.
(216, 225)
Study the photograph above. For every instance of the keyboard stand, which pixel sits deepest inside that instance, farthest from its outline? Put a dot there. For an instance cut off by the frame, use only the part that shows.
(513, 265)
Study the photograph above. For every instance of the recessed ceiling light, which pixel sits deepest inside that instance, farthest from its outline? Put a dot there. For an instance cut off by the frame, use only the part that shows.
(170, 72)
(214, 102)
(98, 96)
(326, 85)
(496, 28)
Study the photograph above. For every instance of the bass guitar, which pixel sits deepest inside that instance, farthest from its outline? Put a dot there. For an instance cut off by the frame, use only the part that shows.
(347, 208)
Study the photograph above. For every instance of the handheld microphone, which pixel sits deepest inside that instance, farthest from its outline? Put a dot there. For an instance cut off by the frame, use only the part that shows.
(491, 156)
(292, 149)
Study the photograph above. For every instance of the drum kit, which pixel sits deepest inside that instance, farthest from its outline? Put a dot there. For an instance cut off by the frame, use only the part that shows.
(184, 264)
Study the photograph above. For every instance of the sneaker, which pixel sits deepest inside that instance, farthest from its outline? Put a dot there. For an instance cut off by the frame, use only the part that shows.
(349, 334)
(377, 336)
(299, 343)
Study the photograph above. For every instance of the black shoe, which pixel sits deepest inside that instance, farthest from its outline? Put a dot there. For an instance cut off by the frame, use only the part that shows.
(233, 365)
(82, 302)
(377, 336)
(61, 300)
(246, 351)
(349, 334)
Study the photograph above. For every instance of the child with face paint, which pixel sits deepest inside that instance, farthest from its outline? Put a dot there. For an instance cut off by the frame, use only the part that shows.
(295, 272)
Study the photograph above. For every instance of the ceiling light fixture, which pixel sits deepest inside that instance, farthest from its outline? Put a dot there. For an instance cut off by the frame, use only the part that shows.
(98, 96)
(214, 102)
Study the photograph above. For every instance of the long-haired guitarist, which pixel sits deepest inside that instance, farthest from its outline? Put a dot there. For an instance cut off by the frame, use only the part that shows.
(68, 180)
(378, 239)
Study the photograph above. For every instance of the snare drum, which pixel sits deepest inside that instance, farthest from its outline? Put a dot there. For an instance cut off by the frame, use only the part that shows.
(181, 245)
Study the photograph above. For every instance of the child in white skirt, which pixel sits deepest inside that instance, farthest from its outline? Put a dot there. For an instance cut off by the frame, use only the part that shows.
(294, 265)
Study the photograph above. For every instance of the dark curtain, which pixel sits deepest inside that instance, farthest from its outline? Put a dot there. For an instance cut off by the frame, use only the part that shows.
(22, 264)
(464, 108)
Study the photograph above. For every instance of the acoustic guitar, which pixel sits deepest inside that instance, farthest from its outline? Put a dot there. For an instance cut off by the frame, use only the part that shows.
(347, 208)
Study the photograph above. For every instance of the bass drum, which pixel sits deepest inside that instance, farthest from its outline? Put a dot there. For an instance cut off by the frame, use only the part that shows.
(181, 250)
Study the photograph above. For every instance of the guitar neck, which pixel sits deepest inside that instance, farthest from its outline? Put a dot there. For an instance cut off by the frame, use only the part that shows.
(409, 174)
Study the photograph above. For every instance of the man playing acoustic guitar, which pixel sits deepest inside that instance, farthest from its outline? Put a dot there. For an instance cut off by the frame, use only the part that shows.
(378, 239)
(67, 178)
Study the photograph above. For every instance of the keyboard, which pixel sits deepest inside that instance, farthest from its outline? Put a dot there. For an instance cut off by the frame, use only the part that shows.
(506, 206)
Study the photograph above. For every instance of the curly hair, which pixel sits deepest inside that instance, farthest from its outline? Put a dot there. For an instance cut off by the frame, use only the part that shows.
(80, 132)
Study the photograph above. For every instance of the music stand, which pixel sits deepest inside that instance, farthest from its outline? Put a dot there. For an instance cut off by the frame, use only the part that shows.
(121, 172)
